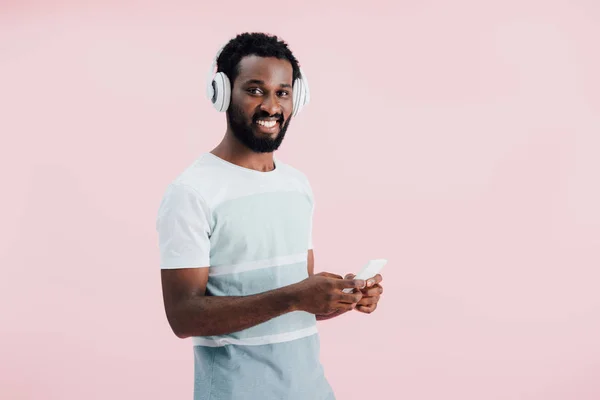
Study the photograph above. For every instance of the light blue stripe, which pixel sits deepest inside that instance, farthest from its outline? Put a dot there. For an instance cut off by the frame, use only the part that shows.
(288, 322)
(290, 371)
(259, 281)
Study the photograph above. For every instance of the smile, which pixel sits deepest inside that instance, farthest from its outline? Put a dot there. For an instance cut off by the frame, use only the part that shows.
(266, 124)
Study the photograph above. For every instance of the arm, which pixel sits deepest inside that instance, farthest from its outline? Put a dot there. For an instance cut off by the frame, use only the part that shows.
(311, 272)
(184, 228)
(191, 313)
(183, 225)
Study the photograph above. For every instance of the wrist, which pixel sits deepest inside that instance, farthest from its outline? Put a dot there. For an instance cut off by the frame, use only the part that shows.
(292, 298)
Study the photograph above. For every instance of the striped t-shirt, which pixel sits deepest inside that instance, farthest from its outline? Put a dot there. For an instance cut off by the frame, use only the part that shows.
(253, 231)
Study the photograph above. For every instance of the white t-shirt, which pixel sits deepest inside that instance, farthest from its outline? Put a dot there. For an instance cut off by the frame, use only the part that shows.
(252, 230)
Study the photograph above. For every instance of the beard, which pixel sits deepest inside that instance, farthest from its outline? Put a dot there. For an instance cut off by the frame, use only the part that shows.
(244, 131)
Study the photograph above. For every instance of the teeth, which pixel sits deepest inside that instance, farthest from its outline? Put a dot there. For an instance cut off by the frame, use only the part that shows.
(267, 124)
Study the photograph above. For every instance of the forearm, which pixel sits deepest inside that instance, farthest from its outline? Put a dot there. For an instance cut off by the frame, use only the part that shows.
(219, 315)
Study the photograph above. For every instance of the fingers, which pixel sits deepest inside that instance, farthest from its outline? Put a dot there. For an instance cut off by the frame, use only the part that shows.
(367, 301)
(366, 309)
(374, 280)
(351, 283)
(350, 298)
(330, 275)
(373, 291)
(349, 302)
(343, 307)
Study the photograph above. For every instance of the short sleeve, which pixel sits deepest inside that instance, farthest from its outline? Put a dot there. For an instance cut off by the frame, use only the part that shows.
(183, 226)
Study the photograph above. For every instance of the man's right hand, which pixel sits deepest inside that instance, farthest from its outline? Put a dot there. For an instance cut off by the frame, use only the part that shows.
(322, 293)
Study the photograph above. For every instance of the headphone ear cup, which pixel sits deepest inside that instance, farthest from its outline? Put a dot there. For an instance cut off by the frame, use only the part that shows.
(298, 97)
(222, 92)
(301, 93)
(295, 89)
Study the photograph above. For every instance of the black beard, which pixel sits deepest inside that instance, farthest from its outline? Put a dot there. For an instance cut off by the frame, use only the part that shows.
(245, 134)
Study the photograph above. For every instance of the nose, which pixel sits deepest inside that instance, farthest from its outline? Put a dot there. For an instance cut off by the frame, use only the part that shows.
(271, 105)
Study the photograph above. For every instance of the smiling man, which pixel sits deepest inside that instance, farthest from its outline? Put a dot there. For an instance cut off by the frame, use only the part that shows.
(235, 238)
(261, 130)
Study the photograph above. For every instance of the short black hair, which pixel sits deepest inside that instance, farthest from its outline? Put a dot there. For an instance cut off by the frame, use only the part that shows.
(258, 44)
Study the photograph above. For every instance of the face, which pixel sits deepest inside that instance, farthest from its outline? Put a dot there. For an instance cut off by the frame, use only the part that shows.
(261, 102)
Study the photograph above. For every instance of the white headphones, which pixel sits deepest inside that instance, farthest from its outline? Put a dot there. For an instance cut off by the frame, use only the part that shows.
(218, 89)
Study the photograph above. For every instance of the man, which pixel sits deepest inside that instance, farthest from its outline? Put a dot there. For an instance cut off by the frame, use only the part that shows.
(235, 236)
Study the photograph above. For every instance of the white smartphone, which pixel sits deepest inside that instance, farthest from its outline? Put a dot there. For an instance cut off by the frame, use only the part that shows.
(370, 270)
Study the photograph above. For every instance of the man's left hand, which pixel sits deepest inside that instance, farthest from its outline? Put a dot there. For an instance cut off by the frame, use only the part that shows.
(371, 294)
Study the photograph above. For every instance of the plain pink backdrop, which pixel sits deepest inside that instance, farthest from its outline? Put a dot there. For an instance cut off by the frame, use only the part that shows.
(460, 140)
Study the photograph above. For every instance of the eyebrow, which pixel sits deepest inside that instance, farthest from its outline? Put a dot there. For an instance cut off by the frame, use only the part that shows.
(259, 82)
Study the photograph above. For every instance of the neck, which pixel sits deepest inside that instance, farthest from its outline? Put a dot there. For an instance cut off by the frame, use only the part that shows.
(232, 150)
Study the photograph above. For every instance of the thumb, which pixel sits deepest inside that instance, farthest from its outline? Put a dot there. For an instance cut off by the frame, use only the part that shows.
(349, 276)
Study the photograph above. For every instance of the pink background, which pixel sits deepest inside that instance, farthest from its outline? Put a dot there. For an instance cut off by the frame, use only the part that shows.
(460, 140)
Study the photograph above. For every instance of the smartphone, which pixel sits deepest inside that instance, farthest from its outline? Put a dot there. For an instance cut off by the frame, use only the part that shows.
(370, 270)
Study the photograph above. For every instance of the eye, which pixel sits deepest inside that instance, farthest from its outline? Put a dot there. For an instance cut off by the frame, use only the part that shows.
(284, 93)
(254, 91)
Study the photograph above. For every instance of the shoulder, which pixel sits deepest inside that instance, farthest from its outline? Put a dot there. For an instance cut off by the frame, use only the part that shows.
(293, 173)
(300, 178)
(195, 183)
(205, 176)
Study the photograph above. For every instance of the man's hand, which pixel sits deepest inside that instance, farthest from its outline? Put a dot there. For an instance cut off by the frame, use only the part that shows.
(322, 294)
(370, 294)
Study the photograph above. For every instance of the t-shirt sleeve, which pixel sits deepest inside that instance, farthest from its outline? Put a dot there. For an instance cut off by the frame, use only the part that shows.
(184, 229)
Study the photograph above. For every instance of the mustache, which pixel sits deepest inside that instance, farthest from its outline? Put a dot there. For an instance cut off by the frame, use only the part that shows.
(261, 115)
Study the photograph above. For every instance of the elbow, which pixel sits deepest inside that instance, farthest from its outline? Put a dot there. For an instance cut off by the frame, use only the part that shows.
(183, 324)
(180, 330)
(177, 322)
(181, 334)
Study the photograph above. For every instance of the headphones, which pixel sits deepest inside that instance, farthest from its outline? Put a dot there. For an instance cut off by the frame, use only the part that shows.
(218, 89)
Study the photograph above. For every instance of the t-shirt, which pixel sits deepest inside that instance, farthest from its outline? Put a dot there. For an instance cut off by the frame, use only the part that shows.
(252, 230)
